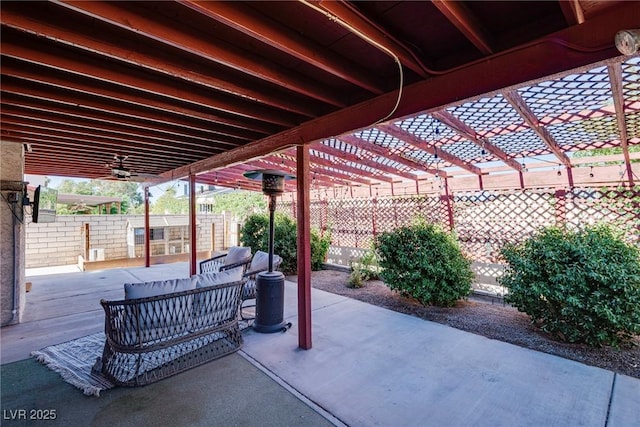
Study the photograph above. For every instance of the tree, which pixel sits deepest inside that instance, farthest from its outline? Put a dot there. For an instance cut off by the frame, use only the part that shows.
(239, 203)
(168, 204)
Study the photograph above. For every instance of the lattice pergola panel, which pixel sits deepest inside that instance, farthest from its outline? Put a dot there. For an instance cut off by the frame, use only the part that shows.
(525, 143)
(483, 220)
(428, 159)
(631, 79)
(358, 152)
(489, 116)
(571, 94)
(469, 151)
(633, 127)
(351, 222)
(378, 137)
(593, 133)
(429, 129)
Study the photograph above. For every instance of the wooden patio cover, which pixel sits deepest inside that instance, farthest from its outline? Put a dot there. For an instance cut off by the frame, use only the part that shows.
(338, 92)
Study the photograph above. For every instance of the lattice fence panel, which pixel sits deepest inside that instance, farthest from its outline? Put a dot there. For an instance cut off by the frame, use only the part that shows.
(397, 212)
(351, 222)
(486, 220)
(618, 206)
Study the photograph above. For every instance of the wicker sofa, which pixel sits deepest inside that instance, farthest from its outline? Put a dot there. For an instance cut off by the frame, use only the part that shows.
(153, 334)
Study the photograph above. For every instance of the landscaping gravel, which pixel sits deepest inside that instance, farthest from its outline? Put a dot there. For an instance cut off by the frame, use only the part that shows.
(485, 316)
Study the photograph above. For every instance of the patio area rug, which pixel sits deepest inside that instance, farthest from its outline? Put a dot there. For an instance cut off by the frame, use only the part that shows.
(74, 361)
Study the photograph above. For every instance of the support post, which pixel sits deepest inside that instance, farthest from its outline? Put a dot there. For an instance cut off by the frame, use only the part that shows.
(147, 231)
(304, 249)
(193, 250)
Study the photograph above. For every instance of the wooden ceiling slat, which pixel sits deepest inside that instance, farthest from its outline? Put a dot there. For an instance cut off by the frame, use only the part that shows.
(458, 14)
(137, 84)
(54, 94)
(135, 141)
(86, 39)
(180, 36)
(125, 93)
(188, 143)
(243, 19)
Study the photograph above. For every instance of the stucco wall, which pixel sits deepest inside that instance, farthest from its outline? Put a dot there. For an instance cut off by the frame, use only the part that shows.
(12, 253)
(60, 242)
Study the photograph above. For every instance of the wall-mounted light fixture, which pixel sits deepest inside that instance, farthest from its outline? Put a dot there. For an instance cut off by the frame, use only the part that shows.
(628, 41)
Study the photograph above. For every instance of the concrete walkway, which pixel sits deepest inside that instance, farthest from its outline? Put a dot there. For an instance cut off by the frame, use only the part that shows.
(371, 366)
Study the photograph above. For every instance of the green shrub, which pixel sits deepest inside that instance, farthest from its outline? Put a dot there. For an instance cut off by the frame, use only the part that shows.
(580, 286)
(424, 262)
(363, 270)
(255, 233)
(319, 249)
(357, 278)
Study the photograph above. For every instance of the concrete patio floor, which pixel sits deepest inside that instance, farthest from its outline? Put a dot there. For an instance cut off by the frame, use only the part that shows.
(368, 366)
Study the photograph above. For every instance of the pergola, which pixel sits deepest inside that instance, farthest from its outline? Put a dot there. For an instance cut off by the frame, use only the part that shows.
(382, 94)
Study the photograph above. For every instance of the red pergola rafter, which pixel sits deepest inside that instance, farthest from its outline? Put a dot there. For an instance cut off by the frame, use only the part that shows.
(344, 155)
(470, 134)
(415, 141)
(530, 119)
(615, 77)
(383, 152)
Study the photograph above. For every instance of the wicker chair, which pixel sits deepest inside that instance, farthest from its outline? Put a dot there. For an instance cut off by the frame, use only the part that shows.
(238, 256)
(259, 263)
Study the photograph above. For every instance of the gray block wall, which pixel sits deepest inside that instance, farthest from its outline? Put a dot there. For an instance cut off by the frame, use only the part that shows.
(61, 242)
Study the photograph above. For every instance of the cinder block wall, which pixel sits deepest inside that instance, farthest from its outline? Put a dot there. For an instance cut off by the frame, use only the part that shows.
(61, 242)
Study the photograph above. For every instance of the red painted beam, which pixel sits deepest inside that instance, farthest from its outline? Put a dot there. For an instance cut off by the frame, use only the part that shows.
(462, 18)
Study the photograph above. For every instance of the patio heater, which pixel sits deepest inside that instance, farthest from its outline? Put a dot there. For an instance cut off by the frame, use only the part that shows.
(270, 284)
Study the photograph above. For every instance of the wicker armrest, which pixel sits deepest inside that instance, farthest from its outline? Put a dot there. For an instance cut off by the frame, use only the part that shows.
(212, 264)
(244, 264)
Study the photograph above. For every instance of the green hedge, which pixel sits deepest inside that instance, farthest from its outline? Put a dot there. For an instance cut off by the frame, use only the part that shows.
(255, 233)
(425, 262)
(580, 286)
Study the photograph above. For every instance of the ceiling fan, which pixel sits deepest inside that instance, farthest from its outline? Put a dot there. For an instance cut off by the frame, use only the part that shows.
(121, 173)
